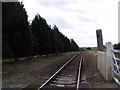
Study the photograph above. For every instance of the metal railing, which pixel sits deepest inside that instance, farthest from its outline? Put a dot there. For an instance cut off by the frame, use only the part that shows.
(116, 66)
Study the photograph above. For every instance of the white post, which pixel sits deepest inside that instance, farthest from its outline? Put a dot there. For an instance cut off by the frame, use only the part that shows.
(109, 47)
(102, 63)
(119, 22)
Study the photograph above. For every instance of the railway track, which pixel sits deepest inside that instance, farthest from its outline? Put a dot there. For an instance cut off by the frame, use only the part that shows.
(68, 76)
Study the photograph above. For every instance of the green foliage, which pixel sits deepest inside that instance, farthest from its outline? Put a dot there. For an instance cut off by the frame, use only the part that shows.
(41, 32)
(81, 49)
(16, 35)
(117, 46)
(21, 39)
(58, 40)
(74, 46)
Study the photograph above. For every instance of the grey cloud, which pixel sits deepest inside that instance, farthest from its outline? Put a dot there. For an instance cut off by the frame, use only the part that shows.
(9, 0)
(85, 19)
(90, 36)
(79, 11)
(53, 4)
(79, 31)
(83, 32)
(61, 6)
(61, 22)
(94, 1)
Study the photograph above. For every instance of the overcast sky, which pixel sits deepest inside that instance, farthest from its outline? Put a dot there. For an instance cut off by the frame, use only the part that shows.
(79, 19)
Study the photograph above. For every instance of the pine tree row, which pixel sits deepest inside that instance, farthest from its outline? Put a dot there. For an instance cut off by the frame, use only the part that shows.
(20, 39)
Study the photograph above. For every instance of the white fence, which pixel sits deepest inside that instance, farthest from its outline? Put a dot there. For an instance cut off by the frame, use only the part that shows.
(116, 66)
(109, 64)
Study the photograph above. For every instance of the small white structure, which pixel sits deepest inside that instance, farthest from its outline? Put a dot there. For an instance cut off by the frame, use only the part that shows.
(104, 62)
(108, 64)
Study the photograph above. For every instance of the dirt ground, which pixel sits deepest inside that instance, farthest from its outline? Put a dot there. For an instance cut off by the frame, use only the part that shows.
(38, 75)
(91, 75)
(91, 78)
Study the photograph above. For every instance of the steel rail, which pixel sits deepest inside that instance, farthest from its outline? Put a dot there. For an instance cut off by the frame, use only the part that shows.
(79, 74)
(57, 72)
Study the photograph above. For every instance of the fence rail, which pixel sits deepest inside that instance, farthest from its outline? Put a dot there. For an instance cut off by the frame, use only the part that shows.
(116, 66)
(117, 51)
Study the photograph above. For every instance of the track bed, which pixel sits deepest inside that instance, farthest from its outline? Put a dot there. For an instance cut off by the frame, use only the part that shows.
(66, 77)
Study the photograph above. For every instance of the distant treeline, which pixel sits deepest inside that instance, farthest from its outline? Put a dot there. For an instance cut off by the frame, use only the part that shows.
(22, 39)
(117, 46)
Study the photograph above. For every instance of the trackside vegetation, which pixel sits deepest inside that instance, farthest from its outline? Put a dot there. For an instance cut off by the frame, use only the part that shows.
(21, 38)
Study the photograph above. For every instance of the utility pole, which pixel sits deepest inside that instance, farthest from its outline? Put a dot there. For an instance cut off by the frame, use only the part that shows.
(119, 22)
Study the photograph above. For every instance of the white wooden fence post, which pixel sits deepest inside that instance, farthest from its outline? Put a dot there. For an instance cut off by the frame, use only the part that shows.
(109, 47)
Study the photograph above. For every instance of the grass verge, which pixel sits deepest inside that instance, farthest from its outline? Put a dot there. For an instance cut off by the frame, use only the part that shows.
(15, 69)
(93, 53)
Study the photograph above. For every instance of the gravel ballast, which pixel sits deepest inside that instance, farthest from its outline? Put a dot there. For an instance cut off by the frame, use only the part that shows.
(39, 75)
(91, 78)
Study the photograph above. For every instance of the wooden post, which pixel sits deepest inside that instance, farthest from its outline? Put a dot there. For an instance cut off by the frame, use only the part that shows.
(99, 39)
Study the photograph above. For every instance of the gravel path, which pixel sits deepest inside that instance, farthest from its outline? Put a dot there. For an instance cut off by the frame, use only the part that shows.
(91, 76)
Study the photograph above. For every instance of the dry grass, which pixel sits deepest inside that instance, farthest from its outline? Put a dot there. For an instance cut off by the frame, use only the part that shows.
(12, 70)
(93, 53)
